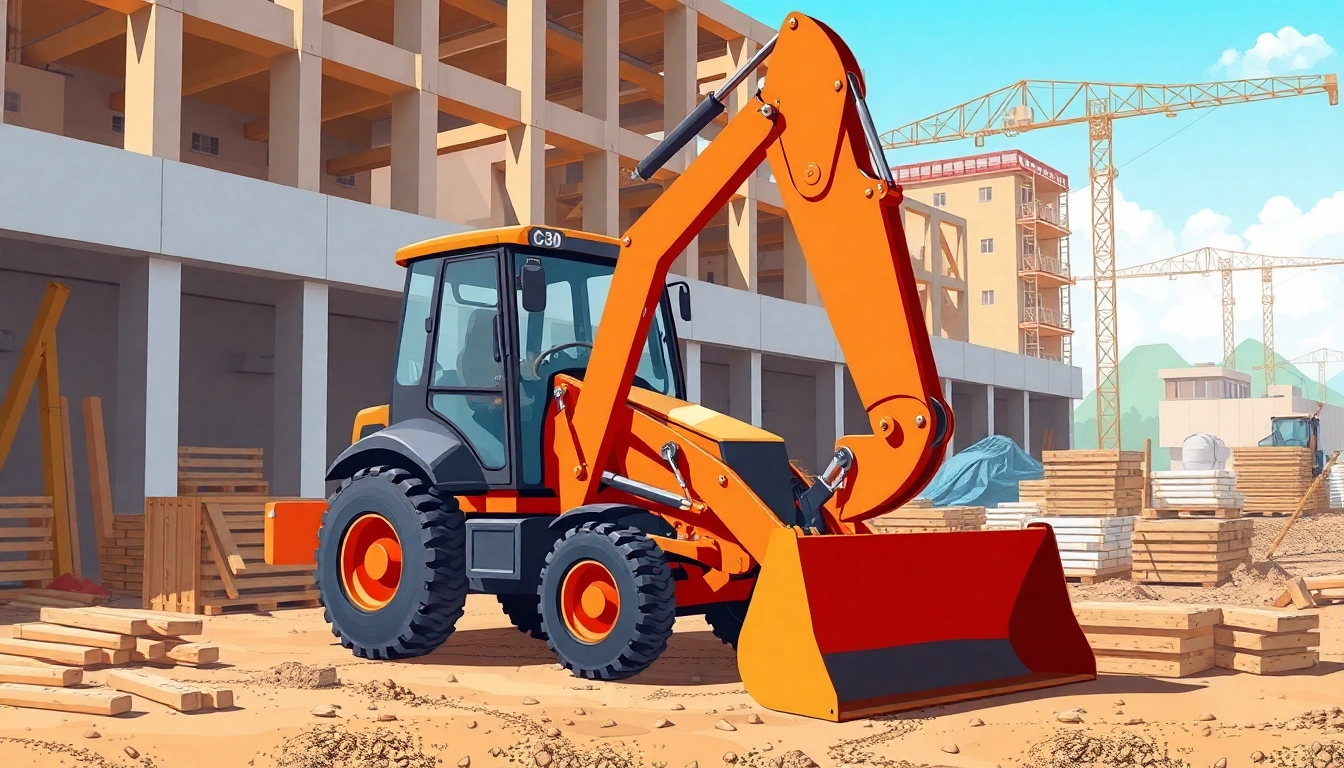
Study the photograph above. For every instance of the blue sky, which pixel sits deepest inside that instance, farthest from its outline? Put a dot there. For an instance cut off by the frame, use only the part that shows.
(921, 58)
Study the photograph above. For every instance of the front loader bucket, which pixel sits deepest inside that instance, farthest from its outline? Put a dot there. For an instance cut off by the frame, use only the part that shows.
(849, 626)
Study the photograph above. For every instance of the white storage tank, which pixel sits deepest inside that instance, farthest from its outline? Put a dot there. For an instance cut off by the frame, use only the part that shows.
(1204, 451)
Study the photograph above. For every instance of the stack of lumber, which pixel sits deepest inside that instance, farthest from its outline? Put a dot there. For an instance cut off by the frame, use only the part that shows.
(1152, 639)
(1092, 483)
(26, 536)
(1093, 549)
(122, 557)
(917, 504)
(37, 599)
(930, 519)
(1273, 480)
(206, 554)
(1335, 487)
(1011, 515)
(1263, 641)
(94, 636)
(1312, 591)
(1191, 551)
(1195, 493)
(220, 470)
(1031, 491)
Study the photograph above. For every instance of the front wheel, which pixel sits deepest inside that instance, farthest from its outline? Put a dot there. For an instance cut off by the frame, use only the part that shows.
(608, 601)
(391, 564)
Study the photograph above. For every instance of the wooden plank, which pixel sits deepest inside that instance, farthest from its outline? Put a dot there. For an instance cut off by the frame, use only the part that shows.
(1324, 582)
(61, 677)
(1246, 640)
(112, 658)
(156, 688)
(1298, 594)
(81, 701)
(1266, 620)
(1148, 643)
(194, 654)
(60, 653)
(159, 622)
(221, 569)
(96, 618)
(216, 526)
(1114, 665)
(1263, 665)
(52, 633)
(148, 649)
(216, 698)
(79, 597)
(1156, 616)
(100, 483)
(72, 523)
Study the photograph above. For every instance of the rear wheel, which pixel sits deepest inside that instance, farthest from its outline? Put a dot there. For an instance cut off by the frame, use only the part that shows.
(391, 564)
(524, 612)
(608, 601)
(726, 619)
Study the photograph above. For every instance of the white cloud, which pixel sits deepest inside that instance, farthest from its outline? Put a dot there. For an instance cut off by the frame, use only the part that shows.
(1274, 54)
(1186, 312)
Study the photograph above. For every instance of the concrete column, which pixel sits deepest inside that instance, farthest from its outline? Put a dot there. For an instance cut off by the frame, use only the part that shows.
(1026, 421)
(744, 386)
(415, 113)
(295, 144)
(798, 283)
(947, 400)
(692, 363)
(525, 149)
(299, 455)
(601, 88)
(680, 52)
(830, 410)
(154, 82)
(743, 262)
(149, 325)
(989, 409)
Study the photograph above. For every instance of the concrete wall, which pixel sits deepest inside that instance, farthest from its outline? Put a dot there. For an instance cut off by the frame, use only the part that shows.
(1242, 422)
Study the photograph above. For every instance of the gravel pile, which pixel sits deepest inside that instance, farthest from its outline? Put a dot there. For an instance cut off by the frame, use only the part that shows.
(1111, 591)
(1254, 585)
(1308, 536)
(1314, 755)
(1080, 749)
(1329, 720)
(337, 747)
(83, 758)
(859, 751)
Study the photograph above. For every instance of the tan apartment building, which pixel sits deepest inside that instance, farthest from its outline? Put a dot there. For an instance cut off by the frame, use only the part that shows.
(222, 185)
(1016, 212)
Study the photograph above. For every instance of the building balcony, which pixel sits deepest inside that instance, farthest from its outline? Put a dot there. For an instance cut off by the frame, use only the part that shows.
(1045, 321)
(1047, 271)
(1043, 214)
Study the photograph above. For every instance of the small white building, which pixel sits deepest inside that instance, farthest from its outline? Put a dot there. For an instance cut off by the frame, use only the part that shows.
(1217, 401)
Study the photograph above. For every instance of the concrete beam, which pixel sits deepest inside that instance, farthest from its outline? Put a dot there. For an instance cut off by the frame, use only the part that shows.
(226, 70)
(258, 26)
(73, 39)
(364, 61)
(332, 6)
(125, 7)
(525, 155)
(455, 140)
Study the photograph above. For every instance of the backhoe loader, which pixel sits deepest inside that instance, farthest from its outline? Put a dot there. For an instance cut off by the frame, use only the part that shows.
(538, 446)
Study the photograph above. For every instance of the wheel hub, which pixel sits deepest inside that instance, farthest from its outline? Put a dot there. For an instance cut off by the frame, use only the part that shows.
(371, 562)
(589, 601)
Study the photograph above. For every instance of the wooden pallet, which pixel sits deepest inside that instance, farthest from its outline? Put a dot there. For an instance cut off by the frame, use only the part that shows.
(1218, 513)
(208, 471)
(1097, 577)
(205, 554)
(1273, 480)
(26, 531)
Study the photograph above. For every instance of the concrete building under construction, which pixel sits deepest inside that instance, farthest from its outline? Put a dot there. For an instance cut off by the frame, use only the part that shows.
(222, 184)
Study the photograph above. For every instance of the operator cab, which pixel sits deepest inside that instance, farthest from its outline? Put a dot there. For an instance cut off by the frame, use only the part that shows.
(490, 318)
(1297, 431)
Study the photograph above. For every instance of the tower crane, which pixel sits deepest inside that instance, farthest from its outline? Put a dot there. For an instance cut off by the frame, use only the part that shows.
(1033, 104)
(1204, 261)
(1321, 357)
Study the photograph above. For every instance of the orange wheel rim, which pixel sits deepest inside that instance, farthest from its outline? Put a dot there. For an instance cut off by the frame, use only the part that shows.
(589, 601)
(371, 562)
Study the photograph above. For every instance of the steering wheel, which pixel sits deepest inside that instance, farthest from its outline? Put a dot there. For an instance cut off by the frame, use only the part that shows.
(536, 364)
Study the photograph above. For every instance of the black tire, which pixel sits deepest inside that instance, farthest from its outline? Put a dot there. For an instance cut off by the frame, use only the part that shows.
(648, 603)
(524, 611)
(726, 619)
(433, 588)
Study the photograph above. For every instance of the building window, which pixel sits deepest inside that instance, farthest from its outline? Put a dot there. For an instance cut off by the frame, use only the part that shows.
(12, 101)
(986, 194)
(346, 181)
(987, 245)
(206, 145)
(1026, 194)
(987, 298)
(118, 124)
(939, 199)
(709, 277)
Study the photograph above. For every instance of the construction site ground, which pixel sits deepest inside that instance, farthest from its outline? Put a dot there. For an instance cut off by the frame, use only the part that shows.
(492, 697)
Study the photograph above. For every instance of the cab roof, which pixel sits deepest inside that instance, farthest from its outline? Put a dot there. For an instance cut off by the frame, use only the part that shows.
(477, 238)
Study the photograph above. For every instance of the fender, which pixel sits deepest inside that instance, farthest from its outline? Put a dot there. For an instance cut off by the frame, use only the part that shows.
(422, 446)
(623, 514)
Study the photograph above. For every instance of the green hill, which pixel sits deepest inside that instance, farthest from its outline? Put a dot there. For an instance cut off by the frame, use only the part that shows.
(1141, 389)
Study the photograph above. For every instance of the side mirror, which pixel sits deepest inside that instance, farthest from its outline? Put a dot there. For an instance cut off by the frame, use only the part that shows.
(683, 299)
(534, 286)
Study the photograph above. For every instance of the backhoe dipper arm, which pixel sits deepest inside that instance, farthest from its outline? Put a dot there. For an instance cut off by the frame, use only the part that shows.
(811, 123)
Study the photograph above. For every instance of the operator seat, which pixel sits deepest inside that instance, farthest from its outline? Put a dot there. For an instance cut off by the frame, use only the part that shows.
(476, 363)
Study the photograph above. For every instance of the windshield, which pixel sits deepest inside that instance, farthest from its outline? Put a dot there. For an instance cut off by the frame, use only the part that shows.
(562, 336)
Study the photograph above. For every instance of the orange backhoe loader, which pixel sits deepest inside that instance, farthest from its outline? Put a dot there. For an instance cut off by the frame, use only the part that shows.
(538, 446)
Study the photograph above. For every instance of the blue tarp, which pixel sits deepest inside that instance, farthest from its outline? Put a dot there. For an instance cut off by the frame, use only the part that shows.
(984, 475)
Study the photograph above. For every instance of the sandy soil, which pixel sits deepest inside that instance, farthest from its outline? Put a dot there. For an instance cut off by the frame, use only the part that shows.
(465, 705)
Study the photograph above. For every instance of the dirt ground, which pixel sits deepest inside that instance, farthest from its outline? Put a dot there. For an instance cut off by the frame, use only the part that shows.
(466, 705)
